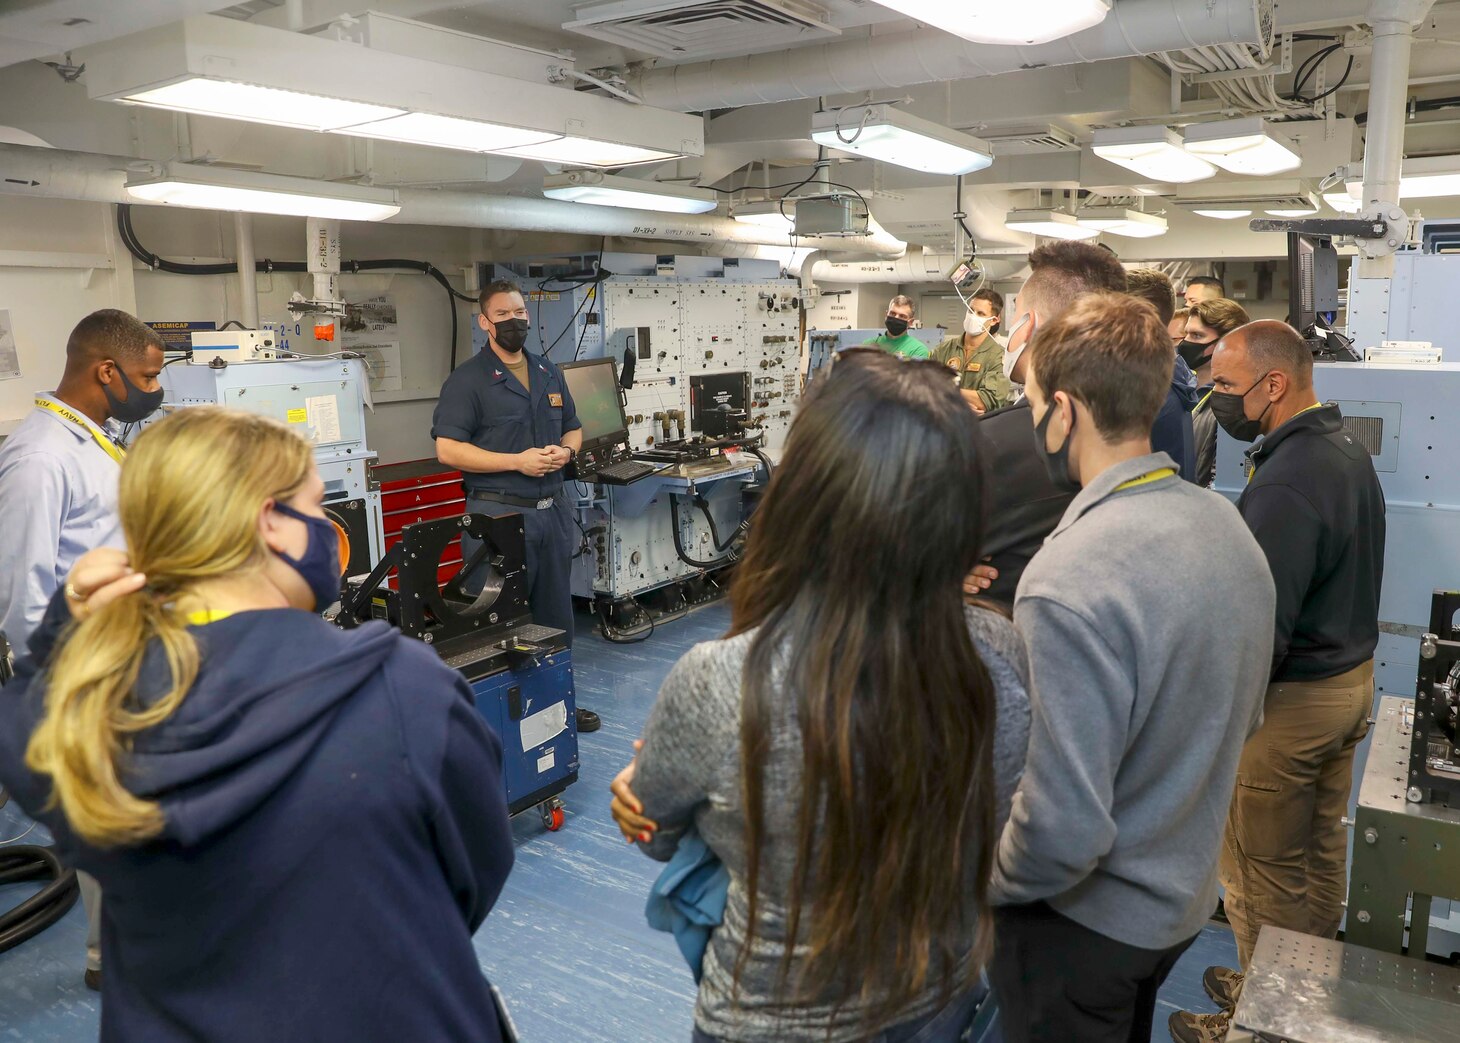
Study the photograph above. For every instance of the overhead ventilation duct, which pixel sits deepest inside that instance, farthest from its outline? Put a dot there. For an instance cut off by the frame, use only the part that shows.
(687, 31)
(1134, 28)
(96, 178)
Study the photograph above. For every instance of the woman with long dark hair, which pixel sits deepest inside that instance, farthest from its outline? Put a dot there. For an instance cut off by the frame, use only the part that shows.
(849, 750)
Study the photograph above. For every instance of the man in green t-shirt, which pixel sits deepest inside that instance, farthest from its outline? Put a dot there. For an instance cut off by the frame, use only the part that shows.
(897, 339)
(975, 357)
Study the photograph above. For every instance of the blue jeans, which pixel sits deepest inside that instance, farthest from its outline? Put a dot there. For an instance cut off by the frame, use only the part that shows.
(953, 1024)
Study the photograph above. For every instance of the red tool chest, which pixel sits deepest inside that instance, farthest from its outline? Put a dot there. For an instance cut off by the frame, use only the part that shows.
(420, 490)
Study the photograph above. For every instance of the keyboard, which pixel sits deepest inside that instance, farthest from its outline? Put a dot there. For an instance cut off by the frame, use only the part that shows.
(625, 471)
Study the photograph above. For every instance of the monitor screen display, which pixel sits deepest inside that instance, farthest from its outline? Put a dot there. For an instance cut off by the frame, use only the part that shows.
(594, 387)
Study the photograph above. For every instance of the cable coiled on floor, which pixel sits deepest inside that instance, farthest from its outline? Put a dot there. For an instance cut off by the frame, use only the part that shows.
(27, 862)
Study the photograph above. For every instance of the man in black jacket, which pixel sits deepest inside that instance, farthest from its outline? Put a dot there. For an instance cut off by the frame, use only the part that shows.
(1316, 508)
(1025, 506)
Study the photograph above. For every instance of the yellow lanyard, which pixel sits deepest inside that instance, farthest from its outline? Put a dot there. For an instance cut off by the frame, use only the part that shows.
(1306, 409)
(1147, 479)
(109, 447)
(206, 616)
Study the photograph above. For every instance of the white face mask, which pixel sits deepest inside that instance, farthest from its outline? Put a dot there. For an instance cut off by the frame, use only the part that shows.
(1013, 354)
(973, 325)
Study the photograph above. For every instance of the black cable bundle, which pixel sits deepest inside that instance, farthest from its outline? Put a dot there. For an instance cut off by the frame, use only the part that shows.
(151, 260)
(27, 862)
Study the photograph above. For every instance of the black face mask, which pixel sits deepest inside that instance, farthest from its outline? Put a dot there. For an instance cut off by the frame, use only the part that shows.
(1195, 355)
(1232, 414)
(138, 406)
(1057, 463)
(895, 326)
(512, 335)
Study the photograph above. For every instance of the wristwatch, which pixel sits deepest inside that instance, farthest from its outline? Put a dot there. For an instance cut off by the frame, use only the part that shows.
(572, 453)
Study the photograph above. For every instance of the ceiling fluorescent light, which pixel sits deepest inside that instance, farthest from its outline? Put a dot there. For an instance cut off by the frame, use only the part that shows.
(1153, 152)
(1118, 220)
(1025, 22)
(238, 70)
(222, 188)
(885, 133)
(1425, 177)
(1344, 201)
(586, 152)
(1245, 146)
(1056, 224)
(770, 213)
(423, 128)
(257, 104)
(600, 189)
(1222, 214)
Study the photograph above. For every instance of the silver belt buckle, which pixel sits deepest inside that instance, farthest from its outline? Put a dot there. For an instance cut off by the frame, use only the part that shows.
(543, 505)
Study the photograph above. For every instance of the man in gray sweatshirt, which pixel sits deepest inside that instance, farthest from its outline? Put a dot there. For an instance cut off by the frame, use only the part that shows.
(1141, 695)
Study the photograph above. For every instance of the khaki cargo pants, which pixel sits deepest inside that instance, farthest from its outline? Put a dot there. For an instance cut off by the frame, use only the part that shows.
(1284, 856)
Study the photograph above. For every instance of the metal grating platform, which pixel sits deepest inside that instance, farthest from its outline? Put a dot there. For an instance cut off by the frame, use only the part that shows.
(1301, 989)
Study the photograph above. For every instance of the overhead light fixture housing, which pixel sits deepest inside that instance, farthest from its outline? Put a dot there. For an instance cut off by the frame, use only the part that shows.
(1231, 200)
(1023, 23)
(1119, 220)
(885, 133)
(577, 150)
(222, 67)
(251, 191)
(600, 189)
(1056, 224)
(424, 128)
(1153, 152)
(1245, 146)
(779, 214)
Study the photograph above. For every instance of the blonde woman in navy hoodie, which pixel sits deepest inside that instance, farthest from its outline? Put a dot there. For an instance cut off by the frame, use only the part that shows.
(297, 828)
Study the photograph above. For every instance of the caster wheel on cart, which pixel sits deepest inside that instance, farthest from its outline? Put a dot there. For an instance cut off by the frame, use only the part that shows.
(552, 816)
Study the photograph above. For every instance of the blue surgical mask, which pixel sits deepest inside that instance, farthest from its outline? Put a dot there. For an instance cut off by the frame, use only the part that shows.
(320, 566)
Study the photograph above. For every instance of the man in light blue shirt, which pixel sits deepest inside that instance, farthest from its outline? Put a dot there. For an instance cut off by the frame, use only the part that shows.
(58, 488)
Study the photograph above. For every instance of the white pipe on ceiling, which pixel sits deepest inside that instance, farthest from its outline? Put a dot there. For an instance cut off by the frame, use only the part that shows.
(92, 177)
(911, 267)
(248, 291)
(1393, 24)
(1134, 28)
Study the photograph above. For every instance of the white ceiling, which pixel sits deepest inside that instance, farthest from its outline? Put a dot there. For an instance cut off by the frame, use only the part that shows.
(1074, 98)
(42, 28)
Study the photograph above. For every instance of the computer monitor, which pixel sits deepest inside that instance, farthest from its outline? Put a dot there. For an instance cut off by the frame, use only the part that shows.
(1312, 280)
(593, 383)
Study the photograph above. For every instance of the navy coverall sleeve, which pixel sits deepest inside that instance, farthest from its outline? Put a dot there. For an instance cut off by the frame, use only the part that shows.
(458, 411)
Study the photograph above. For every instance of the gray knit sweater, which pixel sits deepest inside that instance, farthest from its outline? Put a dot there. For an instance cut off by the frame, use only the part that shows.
(689, 771)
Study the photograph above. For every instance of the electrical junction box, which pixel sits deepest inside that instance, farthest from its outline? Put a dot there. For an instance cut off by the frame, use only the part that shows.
(835, 215)
(230, 346)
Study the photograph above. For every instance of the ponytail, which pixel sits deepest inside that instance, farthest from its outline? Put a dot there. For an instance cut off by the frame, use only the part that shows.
(190, 496)
(92, 713)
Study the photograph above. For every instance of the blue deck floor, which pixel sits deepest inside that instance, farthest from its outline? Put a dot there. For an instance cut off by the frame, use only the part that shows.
(567, 943)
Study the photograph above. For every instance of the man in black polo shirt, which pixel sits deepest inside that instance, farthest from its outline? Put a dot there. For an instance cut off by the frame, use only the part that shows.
(1025, 506)
(505, 419)
(1316, 508)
